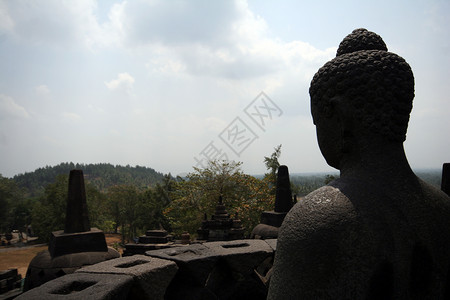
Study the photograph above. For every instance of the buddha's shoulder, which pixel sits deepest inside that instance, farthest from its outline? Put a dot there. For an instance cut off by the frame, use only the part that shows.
(325, 199)
(324, 207)
(434, 199)
(432, 193)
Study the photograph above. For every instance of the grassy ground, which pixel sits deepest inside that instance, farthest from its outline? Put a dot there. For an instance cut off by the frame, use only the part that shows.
(19, 258)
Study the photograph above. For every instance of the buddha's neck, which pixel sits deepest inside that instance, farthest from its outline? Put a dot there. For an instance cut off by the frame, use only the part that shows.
(377, 160)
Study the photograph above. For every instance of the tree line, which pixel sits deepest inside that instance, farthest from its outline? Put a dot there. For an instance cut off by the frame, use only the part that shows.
(131, 200)
(102, 176)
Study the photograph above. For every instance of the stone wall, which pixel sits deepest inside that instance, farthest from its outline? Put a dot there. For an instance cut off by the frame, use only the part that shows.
(214, 270)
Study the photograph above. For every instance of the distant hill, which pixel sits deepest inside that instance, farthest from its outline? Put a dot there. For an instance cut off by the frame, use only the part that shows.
(102, 176)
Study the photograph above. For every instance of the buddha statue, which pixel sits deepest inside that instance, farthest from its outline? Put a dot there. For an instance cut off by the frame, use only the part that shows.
(377, 232)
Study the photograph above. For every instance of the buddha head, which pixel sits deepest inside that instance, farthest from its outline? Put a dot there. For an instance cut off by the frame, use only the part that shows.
(364, 93)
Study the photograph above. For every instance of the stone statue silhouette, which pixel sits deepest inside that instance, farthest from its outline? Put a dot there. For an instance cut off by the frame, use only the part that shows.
(377, 232)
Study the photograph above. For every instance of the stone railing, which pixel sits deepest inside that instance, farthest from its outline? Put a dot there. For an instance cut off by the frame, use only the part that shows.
(213, 270)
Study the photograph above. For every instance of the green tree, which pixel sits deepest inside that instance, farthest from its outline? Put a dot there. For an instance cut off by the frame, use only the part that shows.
(126, 204)
(98, 208)
(15, 210)
(242, 194)
(49, 212)
(329, 178)
(272, 165)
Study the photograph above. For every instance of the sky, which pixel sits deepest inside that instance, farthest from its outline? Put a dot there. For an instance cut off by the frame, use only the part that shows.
(170, 84)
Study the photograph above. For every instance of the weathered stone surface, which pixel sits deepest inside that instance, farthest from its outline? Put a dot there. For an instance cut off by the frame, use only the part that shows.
(64, 243)
(151, 275)
(152, 240)
(156, 232)
(10, 281)
(83, 286)
(234, 275)
(377, 232)
(272, 220)
(4, 274)
(445, 181)
(283, 197)
(217, 270)
(221, 227)
(133, 249)
(76, 246)
(43, 267)
(194, 261)
(77, 219)
(226, 283)
(272, 243)
(263, 231)
(242, 256)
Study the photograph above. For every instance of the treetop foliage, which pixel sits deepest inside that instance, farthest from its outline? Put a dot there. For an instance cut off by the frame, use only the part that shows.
(102, 176)
(244, 196)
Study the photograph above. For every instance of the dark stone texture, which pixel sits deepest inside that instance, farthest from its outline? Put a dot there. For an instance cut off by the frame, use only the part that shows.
(77, 219)
(445, 181)
(160, 233)
(65, 243)
(221, 227)
(243, 255)
(83, 286)
(217, 270)
(283, 198)
(272, 243)
(43, 267)
(10, 281)
(133, 249)
(74, 247)
(152, 240)
(263, 231)
(377, 232)
(151, 275)
(272, 220)
(195, 261)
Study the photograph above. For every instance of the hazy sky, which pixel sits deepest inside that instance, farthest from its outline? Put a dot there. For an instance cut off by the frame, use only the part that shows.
(165, 84)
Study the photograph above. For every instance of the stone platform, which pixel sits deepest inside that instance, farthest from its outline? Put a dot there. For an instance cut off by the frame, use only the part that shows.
(214, 270)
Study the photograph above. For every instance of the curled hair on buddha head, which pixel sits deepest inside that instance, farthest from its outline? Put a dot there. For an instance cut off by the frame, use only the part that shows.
(377, 84)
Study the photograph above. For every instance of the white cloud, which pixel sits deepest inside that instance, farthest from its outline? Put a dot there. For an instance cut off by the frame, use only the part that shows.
(124, 81)
(96, 109)
(51, 22)
(9, 108)
(231, 43)
(223, 39)
(6, 23)
(71, 116)
(174, 23)
(42, 90)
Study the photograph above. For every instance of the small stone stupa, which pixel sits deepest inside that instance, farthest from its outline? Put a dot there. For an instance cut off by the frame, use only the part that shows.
(272, 220)
(221, 227)
(75, 246)
(152, 240)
